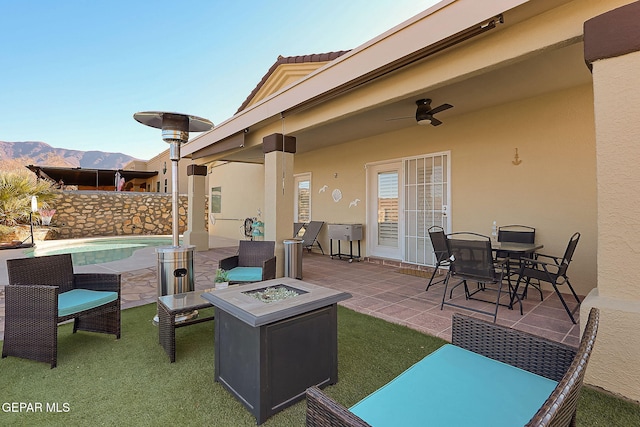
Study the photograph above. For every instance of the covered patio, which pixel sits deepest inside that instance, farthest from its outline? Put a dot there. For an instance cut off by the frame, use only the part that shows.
(383, 291)
(541, 133)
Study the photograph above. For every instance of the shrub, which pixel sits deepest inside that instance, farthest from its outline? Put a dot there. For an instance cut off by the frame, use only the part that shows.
(16, 190)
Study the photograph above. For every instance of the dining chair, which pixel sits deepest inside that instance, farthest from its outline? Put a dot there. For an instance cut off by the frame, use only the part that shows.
(441, 252)
(515, 234)
(472, 261)
(553, 270)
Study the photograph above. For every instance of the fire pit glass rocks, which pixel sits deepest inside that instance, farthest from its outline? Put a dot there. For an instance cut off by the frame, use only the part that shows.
(275, 293)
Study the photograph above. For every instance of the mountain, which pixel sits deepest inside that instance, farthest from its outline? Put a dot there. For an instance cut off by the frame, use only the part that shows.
(17, 155)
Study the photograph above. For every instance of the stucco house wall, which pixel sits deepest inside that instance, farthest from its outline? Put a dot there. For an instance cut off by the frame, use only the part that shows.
(242, 196)
(553, 189)
(162, 164)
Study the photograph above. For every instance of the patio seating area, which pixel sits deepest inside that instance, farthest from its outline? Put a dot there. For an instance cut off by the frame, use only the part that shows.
(378, 289)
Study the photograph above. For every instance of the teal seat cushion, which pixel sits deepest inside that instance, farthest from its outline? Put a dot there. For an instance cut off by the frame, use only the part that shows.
(77, 300)
(245, 274)
(456, 387)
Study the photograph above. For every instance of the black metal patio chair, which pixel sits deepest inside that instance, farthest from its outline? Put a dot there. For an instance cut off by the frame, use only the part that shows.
(472, 261)
(441, 252)
(514, 234)
(553, 270)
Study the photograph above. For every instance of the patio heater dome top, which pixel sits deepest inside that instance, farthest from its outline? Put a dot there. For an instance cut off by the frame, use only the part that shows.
(174, 123)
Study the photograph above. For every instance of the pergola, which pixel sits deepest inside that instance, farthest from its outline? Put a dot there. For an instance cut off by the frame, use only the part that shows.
(85, 177)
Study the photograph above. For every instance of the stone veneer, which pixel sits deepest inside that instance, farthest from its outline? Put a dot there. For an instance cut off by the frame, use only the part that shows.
(110, 213)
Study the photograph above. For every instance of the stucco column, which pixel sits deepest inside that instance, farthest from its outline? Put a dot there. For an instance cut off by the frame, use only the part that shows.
(612, 50)
(278, 192)
(196, 234)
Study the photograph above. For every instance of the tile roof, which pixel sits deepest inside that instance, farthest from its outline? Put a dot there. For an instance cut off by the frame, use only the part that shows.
(316, 57)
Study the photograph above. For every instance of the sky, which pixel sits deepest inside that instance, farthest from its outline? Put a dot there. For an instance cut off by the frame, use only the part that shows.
(73, 72)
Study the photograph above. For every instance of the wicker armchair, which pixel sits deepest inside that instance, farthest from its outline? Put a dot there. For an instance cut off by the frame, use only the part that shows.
(255, 262)
(538, 355)
(32, 307)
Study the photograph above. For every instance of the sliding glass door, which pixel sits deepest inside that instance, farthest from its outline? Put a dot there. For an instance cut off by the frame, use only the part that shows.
(405, 198)
(426, 196)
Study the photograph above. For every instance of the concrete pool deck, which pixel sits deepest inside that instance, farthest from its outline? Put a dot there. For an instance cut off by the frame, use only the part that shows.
(142, 258)
(139, 279)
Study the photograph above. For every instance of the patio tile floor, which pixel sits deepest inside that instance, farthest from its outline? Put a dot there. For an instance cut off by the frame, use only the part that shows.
(378, 290)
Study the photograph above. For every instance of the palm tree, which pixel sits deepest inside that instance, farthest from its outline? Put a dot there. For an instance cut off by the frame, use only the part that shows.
(16, 191)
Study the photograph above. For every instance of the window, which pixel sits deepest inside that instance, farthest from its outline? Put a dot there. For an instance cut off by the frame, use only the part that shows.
(216, 200)
(158, 187)
(165, 185)
(388, 208)
(302, 202)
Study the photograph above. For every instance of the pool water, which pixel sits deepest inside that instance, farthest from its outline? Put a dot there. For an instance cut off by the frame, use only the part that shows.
(98, 251)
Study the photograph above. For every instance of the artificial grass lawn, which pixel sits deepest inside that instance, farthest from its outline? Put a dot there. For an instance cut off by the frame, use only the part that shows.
(103, 381)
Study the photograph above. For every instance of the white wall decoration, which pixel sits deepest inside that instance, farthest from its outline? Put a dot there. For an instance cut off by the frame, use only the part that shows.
(337, 195)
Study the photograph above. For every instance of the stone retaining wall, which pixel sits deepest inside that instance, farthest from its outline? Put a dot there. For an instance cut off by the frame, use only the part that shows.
(110, 213)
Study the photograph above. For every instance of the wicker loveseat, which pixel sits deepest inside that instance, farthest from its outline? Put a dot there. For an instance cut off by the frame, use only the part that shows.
(525, 380)
(44, 292)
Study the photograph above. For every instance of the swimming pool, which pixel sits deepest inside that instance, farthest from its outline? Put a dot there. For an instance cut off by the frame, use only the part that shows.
(98, 250)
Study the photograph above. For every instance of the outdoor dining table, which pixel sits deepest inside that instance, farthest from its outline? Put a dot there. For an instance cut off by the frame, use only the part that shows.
(514, 250)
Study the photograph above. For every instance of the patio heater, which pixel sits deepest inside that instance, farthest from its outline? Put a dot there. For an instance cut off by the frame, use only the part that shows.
(175, 263)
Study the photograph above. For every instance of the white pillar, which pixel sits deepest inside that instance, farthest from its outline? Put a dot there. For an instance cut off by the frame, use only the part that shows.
(196, 234)
(278, 192)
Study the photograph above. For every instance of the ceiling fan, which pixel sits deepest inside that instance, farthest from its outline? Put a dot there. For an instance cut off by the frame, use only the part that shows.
(424, 112)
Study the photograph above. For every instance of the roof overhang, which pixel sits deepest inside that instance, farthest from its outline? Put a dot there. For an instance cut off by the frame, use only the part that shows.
(226, 145)
(424, 34)
(537, 50)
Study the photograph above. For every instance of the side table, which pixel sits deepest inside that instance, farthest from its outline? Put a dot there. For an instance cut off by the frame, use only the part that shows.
(169, 307)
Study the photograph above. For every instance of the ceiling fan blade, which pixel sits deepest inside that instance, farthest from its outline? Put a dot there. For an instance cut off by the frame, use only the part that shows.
(440, 108)
(435, 122)
(398, 118)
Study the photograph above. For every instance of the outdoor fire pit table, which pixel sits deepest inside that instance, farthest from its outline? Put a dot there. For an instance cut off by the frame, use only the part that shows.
(273, 340)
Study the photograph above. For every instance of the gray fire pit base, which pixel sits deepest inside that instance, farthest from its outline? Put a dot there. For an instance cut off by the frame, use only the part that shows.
(268, 354)
(269, 367)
